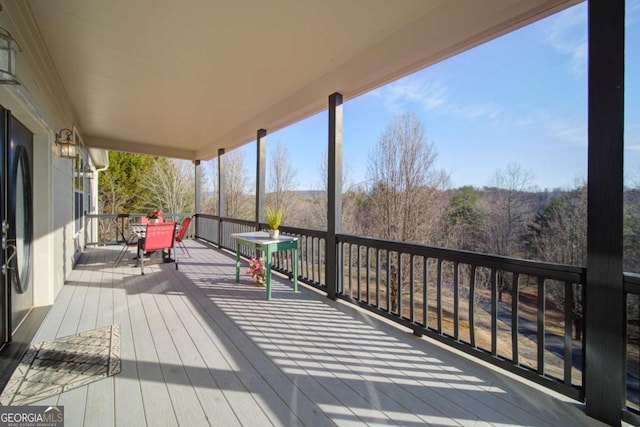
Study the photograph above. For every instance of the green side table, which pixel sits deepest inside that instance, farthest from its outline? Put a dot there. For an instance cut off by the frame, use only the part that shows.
(267, 246)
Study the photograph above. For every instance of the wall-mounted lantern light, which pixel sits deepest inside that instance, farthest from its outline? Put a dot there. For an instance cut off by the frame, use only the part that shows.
(8, 49)
(66, 144)
(85, 172)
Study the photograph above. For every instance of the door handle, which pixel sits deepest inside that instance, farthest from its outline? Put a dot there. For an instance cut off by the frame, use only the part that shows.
(5, 267)
(8, 243)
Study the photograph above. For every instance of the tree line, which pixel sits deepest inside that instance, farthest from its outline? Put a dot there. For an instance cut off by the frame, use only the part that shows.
(137, 183)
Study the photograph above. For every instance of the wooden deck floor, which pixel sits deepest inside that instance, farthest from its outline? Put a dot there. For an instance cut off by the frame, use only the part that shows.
(198, 349)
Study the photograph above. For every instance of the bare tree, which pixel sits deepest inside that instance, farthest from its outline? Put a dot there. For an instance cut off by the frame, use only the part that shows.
(111, 199)
(403, 200)
(505, 225)
(210, 196)
(507, 209)
(170, 185)
(238, 201)
(404, 182)
(559, 234)
(631, 256)
(281, 182)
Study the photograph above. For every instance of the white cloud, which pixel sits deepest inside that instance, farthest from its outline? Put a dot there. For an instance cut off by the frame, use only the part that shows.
(571, 132)
(568, 130)
(400, 94)
(431, 95)
(475, 111)
(566, 32)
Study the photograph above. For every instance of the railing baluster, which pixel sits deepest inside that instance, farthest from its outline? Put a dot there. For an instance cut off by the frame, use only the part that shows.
(472, 304)
(412, 314)
(340, 269)
(358, 250)
(568, 321)
(541, 329)
(284, 260)
(377, 278)
(515, 297)
(400, 287)
(350, 274)
(308, 259)
(439, 295)
(425, 292)
(319, 263)
(456, 301)
(313, 258)
(494, 312)
(306, 256)
(367, 274)
(388, 282)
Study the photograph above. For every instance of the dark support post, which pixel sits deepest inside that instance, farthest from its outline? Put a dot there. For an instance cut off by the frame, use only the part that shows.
(334, 193)
(197, 172)
(261, 174)
(605, 304)
(222, 203)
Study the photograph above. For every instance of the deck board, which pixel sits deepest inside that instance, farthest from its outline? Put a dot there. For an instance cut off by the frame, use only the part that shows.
(199, 349)
(128, 402)
(155, 394)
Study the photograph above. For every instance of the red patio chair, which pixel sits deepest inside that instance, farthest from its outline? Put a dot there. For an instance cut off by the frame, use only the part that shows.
(157, 237)
(181, 233)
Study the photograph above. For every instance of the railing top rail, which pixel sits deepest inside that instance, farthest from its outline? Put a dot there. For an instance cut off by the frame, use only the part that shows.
(631, 283)
(238, 221)
(132, 215)
(285, 229)
(300, 231)
(570, 273)
(207, 216)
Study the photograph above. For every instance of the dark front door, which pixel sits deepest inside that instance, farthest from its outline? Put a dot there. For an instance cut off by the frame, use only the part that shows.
(16, 213)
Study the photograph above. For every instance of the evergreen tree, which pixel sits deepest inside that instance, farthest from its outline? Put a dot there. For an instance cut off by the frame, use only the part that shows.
(120, 187)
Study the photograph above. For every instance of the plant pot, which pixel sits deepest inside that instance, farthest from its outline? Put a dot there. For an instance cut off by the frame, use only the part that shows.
(258, 279)
(154, 220)
(274, 234)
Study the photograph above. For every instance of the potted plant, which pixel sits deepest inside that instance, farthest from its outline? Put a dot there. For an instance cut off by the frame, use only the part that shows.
(257, 271)
(273, 217)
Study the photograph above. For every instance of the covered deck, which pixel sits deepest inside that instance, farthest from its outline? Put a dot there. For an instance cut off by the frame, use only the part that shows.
(198, 349)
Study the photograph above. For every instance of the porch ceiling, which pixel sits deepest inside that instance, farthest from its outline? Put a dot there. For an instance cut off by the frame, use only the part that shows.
(185, 78)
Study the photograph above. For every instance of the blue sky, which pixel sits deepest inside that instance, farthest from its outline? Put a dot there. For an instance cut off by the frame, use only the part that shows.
(521, 98)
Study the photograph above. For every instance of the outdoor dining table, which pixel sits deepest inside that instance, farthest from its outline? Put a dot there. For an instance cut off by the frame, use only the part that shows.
(261, 241)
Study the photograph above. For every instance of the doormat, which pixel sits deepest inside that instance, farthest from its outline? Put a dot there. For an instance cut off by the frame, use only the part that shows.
(53, 367)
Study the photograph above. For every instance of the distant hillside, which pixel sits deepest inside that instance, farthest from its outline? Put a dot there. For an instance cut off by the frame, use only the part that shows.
(310, 193)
